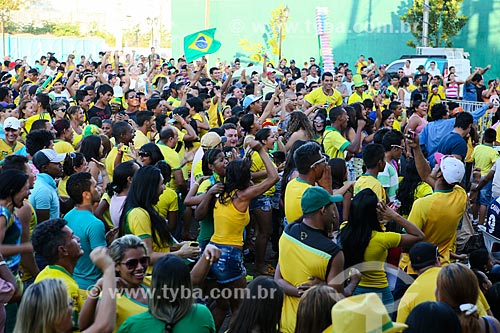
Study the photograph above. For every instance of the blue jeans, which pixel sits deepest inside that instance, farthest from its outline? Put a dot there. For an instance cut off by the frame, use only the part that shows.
(485, 194)
(384, 294)
(262, 202)
(229, 267)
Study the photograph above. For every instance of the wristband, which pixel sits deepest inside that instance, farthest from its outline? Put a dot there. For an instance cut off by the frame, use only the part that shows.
(3, 263)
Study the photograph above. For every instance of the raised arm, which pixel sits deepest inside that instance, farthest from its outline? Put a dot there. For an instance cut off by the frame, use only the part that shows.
(423, 168)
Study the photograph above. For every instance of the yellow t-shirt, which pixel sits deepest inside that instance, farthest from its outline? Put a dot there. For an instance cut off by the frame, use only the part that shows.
(182, 152)
(6, 150)
(229, 224)
(355, 98)
(317, 96)
(58, 272)
(106, 216)
(439, 225)
(258, 165)
(396, 125)
(172, 159)
(334, 143)
(126, 307)
(168, 202)
(63, 147)
(484, 157)
(61, 187)
(213, 114)
(31, 120)
(423, 189)
(198, 169)
(110, 160)
(76, 138)
(423, 290)
(368, 181)
(293, 195)
(376, 251)
(174, 101)
(140, 139)
(198, 117)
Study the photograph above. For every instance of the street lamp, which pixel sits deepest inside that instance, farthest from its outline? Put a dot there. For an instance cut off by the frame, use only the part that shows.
(4, 15)
(152, 22)
(282, 19)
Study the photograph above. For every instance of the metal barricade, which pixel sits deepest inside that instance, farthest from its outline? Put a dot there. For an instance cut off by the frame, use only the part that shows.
(485, 121)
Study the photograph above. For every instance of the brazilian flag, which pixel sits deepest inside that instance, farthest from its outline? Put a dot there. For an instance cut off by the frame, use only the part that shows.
(200, 43)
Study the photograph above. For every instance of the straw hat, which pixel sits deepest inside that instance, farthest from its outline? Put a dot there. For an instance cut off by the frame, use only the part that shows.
(363, 313)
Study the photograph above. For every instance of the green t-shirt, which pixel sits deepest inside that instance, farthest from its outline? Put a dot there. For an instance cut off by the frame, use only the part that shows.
(198, 320)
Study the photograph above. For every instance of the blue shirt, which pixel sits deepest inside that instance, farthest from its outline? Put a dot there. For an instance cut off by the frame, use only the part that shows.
(91, 232)
(451, 144)
(44, 195)
(469, 92)
(433, 132)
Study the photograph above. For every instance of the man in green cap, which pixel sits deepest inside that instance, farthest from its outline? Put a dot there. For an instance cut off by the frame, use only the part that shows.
(312, 258)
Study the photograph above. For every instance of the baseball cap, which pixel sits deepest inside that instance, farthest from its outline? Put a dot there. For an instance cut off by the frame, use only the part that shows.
(271, 72)
(423, 254)
(46, 156)
(316, 197)
(250, 99)
(421, 67)
(382, 66)
(292, 61)
(452, 168)
(12, 122)
(210, 140)
(456, 111)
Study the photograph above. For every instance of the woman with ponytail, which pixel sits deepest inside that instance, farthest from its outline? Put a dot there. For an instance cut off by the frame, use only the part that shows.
(458, 287)
(116, 193)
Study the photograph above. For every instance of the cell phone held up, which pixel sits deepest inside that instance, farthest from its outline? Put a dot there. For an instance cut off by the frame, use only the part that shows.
(410, 135)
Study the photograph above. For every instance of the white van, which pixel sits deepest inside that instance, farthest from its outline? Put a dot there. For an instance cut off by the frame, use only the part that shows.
(444, 58)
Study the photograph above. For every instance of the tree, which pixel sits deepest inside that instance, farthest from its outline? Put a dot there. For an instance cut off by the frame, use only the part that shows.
(445, 22)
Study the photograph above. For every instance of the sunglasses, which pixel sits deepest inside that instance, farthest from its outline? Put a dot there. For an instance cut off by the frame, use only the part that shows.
(144, 154)
(321, 160)
(132, 96)
(72, 156)
(133, 263)
(62, 109)
(319, 121)
(397, 146)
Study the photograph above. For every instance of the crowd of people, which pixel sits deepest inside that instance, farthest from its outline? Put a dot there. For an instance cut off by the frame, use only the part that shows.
(140, 193)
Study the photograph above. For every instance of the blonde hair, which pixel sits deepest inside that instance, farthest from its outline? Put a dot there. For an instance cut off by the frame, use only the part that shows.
(314, 312)
(120, 245)
(457, 285)
(43, 305)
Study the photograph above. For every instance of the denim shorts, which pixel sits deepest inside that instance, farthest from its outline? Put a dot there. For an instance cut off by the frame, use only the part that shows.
(262, 202)
(229, 267)
(485, 195)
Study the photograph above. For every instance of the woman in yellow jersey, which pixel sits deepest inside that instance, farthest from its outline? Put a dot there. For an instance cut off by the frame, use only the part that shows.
(457, 286)
(140, 218)
(131, 263)
(366, 245)
(231, 216)
(261, 210)
(73, 163)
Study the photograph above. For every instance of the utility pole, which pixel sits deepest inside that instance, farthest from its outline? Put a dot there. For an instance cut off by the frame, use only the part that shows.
(425, 24)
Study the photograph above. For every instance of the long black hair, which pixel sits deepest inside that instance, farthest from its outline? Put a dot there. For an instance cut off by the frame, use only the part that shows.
(257, 312)
(238, 177)
(11, 182)
(143, 193)
(407, 187)
(91, 147)
(120, 177)
(290, 166)
(356, 235)
(209, 158)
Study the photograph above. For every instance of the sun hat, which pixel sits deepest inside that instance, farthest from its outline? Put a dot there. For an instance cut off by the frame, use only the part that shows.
(363, 313)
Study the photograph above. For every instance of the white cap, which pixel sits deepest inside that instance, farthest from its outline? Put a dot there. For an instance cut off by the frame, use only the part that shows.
(452, 168)
(12, 122)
